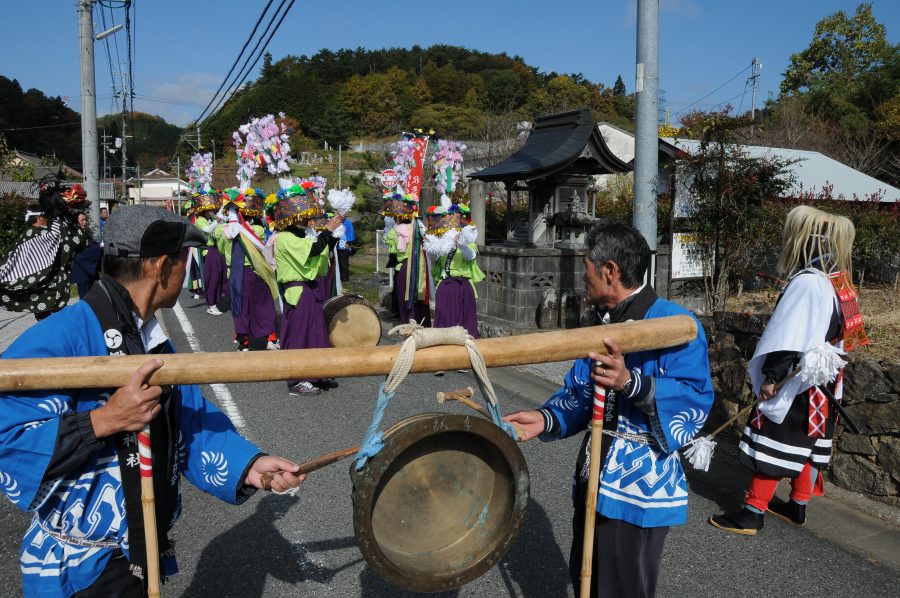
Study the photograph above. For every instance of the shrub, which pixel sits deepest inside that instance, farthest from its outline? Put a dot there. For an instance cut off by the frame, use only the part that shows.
(12, 220)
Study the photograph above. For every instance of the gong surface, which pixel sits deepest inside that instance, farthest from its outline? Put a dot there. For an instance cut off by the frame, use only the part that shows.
(441, 502)
(351, 322)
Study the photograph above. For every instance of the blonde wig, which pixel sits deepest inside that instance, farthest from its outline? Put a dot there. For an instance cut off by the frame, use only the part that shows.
(815, 239)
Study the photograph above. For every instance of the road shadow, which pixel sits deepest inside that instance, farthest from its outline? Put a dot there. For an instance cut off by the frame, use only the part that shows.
(726, 481)
(238, 562)
(534, 567)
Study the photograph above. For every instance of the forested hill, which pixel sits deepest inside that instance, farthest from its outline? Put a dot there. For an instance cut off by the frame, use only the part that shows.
(336, 96)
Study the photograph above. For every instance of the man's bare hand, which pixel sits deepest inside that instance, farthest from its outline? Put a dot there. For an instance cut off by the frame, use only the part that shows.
(274, 473)
(530, 424)
(767, 391)
(610, 371)
(131, 407)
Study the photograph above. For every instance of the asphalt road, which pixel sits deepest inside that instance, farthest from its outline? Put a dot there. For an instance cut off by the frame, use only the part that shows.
(277, 546)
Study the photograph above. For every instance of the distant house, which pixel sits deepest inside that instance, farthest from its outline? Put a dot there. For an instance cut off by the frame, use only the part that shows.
(157, 187)
(813, 171)
(29, 191)
(20, 158)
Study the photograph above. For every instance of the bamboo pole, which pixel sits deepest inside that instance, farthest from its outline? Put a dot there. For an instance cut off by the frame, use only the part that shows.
(148, 507)
(258, 366)
(593, 487)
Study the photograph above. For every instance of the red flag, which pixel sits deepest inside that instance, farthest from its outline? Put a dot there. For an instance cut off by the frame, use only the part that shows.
(414, 182)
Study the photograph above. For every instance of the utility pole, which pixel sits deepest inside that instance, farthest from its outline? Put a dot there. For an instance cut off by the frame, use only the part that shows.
(104, 143)
(89, 111)
(340, 158)
(646, 138)
(124, 137)
(757, 66)
(178, 180)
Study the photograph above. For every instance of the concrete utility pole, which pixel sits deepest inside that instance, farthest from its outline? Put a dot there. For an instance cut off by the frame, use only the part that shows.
(89, 112)
(124, 138)
(646, 138)
(757, 66)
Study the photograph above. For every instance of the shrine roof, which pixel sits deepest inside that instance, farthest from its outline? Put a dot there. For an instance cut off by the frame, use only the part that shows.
(558, 142)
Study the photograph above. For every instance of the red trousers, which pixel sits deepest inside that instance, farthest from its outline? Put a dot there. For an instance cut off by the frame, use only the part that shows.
(762, 488)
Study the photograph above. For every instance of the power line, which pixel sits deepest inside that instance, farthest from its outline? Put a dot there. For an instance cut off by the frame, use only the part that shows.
(241, 53)
(253, 65)
(76, 122)
(713, 91)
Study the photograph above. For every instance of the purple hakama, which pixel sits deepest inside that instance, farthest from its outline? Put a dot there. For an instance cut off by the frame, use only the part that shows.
(454, 305)
(303, 325)
(257, 317)
(215, 275)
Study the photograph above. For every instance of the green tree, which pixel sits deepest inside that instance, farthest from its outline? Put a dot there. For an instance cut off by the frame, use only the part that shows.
(728, 191)
(618, 87)
(848, 70)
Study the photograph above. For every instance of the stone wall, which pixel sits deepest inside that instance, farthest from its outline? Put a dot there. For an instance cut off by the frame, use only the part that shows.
(868, 462)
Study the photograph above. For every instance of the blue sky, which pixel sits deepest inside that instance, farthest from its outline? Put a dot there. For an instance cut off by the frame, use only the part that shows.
(184, 48)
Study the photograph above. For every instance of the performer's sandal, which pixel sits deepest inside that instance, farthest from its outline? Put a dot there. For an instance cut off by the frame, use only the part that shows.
(744, 522)
(303, 388)
(790, 512)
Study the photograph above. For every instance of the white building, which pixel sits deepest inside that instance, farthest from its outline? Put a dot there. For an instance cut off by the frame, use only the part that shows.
(157, 186)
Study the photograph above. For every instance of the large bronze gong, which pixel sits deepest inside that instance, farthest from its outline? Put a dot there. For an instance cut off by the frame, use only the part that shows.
(441, 502)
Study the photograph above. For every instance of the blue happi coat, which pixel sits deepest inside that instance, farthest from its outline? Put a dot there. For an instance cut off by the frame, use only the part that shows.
(90, 504)
(641, 483)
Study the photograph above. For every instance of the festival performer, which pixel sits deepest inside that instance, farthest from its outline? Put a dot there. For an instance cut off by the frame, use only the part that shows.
(412, 283)
(450, 243)
(252, 279)
(70, 457)
(215, 274)
(656, 402)
(35, 275)
(390, 239)
(193, 280)
(789, 434)
(86, 263)
(297, 248)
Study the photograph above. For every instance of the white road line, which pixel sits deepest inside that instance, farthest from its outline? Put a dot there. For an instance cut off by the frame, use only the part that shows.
(225, 400)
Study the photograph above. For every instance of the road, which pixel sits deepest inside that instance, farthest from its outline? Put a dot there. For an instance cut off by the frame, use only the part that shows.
(277, 546)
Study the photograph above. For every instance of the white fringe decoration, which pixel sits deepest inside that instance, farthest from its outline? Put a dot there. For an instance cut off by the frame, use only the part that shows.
(699, 452)
(340, 232)
(446, 202)
(389, 223)
(820, 365)
(469, 234)
(436, 246)
(341, 201)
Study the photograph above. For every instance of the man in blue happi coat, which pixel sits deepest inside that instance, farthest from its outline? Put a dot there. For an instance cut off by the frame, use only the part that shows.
(70, 457)
(656, 402)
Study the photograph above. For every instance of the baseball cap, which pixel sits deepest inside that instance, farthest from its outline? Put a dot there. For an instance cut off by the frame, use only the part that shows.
(148, 231)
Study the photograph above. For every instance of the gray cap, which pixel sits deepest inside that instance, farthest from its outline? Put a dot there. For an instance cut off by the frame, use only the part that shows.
(148, 231)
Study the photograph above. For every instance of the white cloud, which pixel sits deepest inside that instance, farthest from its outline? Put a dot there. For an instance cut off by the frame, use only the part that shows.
(179, 101)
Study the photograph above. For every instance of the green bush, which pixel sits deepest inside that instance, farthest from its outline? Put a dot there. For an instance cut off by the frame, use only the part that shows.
(12, 220)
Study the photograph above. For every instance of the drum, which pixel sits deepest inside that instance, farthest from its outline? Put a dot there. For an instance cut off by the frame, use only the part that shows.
(352, 322)
(441, 502)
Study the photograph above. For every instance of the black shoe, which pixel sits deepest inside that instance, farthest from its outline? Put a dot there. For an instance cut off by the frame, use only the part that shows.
(790, 511)
(744, 522)
(326, 383)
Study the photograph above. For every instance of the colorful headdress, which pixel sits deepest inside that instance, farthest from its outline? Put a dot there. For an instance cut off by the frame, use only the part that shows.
(292, 206)
(447, 165)
(75, 197)
(439, 219)
(401, 208)
(254, 203)
(205, 201)
(231, 197)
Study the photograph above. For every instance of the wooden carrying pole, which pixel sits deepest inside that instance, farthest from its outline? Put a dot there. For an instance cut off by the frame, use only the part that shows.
(258, 366)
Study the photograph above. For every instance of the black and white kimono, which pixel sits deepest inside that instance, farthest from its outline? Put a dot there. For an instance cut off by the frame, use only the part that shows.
(795, 426)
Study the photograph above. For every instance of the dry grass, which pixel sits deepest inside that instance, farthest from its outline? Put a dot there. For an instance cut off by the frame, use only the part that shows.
(880, 305)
